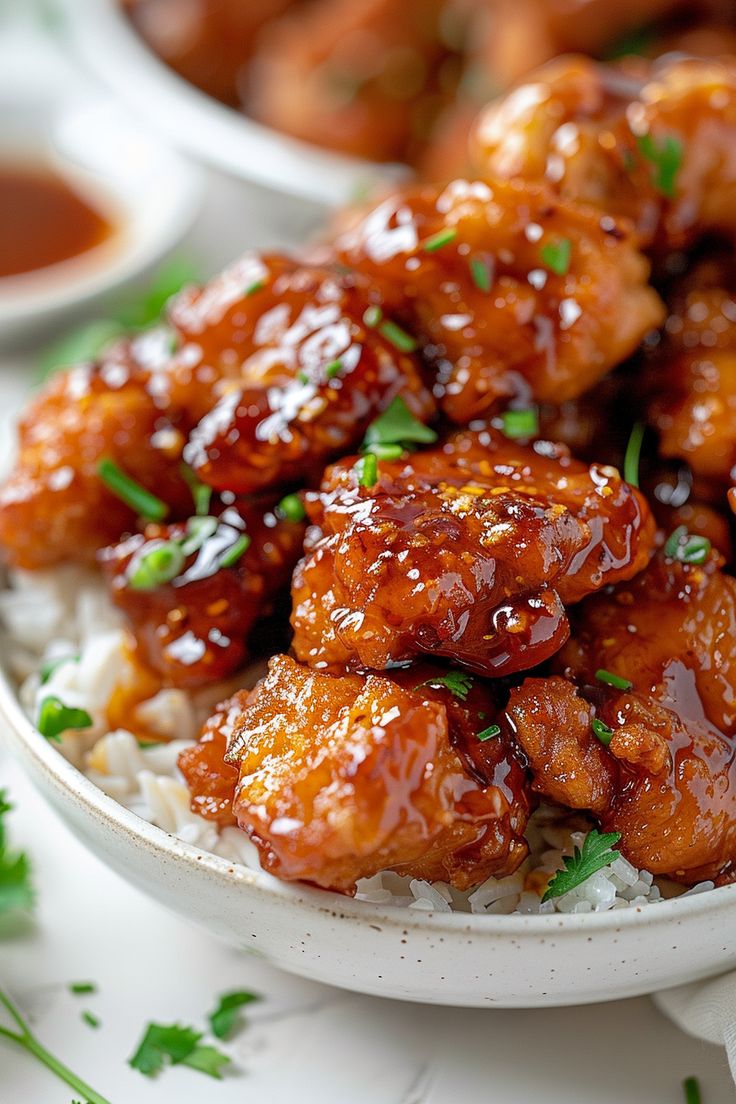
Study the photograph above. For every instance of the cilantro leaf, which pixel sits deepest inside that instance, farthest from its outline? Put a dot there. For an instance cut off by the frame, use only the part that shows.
(457, 682)
(207, 1059)
(595, 854)
(397, 426)
(224, 1018)
(16, 890)
(54, 718)
(162, 1041)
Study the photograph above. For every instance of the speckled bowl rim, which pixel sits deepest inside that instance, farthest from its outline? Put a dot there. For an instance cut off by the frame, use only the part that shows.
(74, 786)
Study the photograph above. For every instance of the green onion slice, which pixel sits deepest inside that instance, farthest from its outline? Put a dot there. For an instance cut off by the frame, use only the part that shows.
(291, 508)
(231, 556)
(199, 530)
(489, 733)
(372, 316)
(162, 562)
(520, 423)
(367, 470)
(633, 453)
(480, 272)
(556, 256)
(687, 547)
(397, 337)
(613, 680)
(131, 493)
(439, 240)
(601, 731)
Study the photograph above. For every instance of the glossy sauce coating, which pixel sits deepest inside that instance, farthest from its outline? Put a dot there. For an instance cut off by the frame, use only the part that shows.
(467, 267)
(300, 375)
(342, 777)
(194, 629)
(667, 780)
(468, 550)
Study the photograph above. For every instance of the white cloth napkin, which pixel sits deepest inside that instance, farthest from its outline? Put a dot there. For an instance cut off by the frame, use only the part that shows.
(705, 1009)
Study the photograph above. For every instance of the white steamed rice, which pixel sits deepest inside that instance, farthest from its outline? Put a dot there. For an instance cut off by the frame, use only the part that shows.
(66, 613)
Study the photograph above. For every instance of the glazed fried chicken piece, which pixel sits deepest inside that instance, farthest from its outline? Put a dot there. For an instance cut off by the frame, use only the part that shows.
(299, 373)
(511, 292)
(340, 777)
(193, 591)
(470, 550)
(210, 779)
(53, 505)
(667, 779)
(654, 145)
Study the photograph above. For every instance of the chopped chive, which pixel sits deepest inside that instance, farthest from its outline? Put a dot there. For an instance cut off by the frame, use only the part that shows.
(397, 337)
(48, 667)
(372, 316)
(601, 731)
(368, 470)
(78, 987)
(201, 493)
(334, 368)
(199, 530)
(613, 680)
(291, 508)
(520, 423)
(387, 452)
(131, 493)
(489, 733)
(556, 256)
(54, 718)
(665, 157)
(691, 1089)
(257, 285)
(235, 551)
(480, 271)
(159, 565)
(90, 1018)
(687, 547)
(439, 240)
(633, 452)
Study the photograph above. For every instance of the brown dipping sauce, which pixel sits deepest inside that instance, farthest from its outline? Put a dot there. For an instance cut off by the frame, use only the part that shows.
(43, 220)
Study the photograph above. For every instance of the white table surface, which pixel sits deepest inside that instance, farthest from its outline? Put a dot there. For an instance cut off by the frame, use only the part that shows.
(305, 1042)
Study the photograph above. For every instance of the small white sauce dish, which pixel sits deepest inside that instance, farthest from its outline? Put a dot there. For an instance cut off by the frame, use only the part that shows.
(51, 120)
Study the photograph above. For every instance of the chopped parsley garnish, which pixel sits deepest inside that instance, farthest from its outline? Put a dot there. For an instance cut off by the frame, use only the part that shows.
(556, 256)
(396, 426)
(201, 493)
(457, 682)
(225, 1016)
(16, 890)
(48, 667)
(439, 240)
(79, 987)
(687, 547)
(367, 468)
(480, 272)
(231, 555)
(666, 158)
(691, 1089)
(372, 316)
(158, 566)
(601, 731)
(397, 337)
(178, 1045)
(633, 452)
(489, 733)
(26, 1039)
(595, 854)
(520, 423)
(334, 368)
(613, 680)
(257, 285)
(291, 508)
(131, 493)
(90, 1019)
(54, 718)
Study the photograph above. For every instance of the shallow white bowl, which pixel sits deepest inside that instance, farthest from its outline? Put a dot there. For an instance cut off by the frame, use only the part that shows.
(203, 127)
(474, 961)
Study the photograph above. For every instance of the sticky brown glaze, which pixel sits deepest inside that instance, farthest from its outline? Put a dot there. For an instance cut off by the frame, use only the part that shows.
(194, 629)
(667, 780)
(210, 779)
(579, 126)
(340, 777)
(53, 505)
(526, 330)
(470, 550)
(299, 374)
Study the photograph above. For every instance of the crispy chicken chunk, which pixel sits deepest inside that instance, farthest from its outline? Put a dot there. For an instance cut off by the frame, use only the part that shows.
(340, 777)
(667, 779)
(511, 292)
(191, 617)
(469, 550)
(300, 375)
(655, 146)
(53, 505)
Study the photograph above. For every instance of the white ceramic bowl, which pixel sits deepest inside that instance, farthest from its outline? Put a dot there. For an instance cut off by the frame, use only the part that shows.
(474, 961)
(203, 127)
(49, 116)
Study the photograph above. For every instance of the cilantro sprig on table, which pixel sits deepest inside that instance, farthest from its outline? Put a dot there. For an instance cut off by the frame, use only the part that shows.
(596, 853)
(16, 888)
